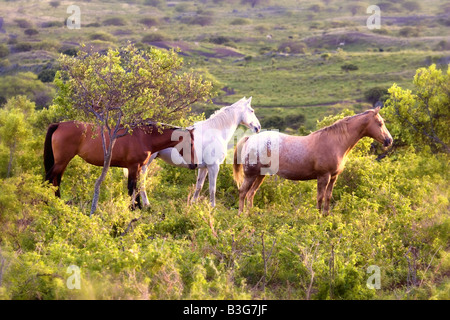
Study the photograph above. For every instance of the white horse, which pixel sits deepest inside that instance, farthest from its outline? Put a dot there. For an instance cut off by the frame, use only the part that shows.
(211, 139)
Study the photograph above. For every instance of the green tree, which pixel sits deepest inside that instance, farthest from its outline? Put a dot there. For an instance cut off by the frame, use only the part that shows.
(375, 94)
(121, 88)
(274, 122)
(421, 116)
(14, 125)
(47, 75)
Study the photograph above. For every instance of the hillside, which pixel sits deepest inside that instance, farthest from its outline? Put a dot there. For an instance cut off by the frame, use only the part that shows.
(306, 64)
(284, 53)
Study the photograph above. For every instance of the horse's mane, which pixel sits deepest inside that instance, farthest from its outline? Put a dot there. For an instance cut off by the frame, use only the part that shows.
(340, 127)
(221, 118)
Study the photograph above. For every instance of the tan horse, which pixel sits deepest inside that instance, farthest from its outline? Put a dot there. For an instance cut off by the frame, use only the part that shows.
(65, 140)
(320, 155)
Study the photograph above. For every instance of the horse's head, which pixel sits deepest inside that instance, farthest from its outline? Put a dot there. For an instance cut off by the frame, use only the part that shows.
(376, 128)
(249, 118)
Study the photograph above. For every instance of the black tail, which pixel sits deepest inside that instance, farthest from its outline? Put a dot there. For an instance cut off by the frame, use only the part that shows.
(49, 159)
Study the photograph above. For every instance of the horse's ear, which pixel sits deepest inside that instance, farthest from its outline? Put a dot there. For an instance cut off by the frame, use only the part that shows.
(249, 101)
(377, 109)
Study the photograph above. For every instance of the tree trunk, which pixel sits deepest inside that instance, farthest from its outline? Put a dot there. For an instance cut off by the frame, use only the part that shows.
(106, 165)
(99, 182)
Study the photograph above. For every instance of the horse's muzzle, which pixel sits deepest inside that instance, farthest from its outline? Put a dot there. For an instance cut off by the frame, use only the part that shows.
(256, 128)
(387, 142)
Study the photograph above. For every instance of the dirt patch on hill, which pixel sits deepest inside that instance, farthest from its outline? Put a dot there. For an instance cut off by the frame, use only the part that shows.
(347, 38)
(188, 49)
(220, 52)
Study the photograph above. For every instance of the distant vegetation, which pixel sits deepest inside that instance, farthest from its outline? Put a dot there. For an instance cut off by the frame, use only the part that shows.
(303, 47)
(306, 64)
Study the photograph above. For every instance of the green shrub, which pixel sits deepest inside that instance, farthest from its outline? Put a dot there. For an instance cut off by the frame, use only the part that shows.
(47, 75)
(93, 25)
(154, 3)
(200, 20)
(70, 51)
(153, 37)
(240, 22)
(182, 7)
(293, 47)
(349, 67)
(54, 3)
(4, 50)
(273, 122)
(23, 23)
(103, 36)
(375, 94)
(325, 56)
(408, 32)
(294, 121)
(52, 24)
(411, 5)
(220, 40)
(149, 22)
(23, 46)
(316, 7)
(31, 32)
(115, 21)
(47, 45)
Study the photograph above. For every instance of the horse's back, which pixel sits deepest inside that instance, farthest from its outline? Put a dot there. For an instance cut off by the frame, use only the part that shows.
(83, 139)
(291, 156)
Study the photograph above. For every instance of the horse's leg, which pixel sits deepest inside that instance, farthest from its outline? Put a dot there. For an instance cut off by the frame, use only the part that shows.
(322, 183)
(61, 158)
(243, 190)
(58, 179)
(54, 176)
(133, 175)
(328, 193)
(143, 192)
(201, 176)
(213, 171)
(255, 186)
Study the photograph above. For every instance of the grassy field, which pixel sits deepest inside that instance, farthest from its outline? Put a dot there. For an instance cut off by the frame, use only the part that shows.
(293, 57)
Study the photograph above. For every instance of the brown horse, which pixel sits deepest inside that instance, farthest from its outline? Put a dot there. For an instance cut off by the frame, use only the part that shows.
(65, 140)
(321, 155)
